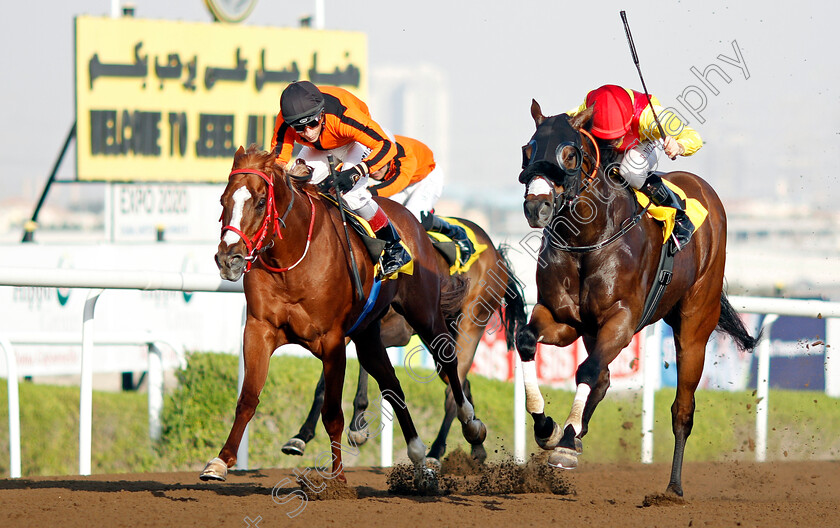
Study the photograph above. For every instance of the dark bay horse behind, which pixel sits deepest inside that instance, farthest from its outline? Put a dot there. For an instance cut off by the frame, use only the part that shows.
(299, 290)
(492, 284)
(598, 261)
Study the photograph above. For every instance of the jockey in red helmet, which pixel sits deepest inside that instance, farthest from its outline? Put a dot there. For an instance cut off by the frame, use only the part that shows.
(330, 120)
(624, 121)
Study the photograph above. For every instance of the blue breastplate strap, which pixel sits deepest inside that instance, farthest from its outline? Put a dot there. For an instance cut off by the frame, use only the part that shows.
(374, 293)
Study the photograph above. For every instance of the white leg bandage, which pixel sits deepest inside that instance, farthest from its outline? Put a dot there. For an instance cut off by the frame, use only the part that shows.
(576, 416)
(466, 412)
(534, 401)
(416, 451)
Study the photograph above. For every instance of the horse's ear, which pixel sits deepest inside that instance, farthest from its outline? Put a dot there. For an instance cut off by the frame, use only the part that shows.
(536, 112)
(239, 152)
(580, 119)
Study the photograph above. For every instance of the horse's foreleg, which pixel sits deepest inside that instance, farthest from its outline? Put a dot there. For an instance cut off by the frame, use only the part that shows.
(334, 360)
(542, 328)
(357, 433)
(258, 346)
(592, 379)
(297, 444)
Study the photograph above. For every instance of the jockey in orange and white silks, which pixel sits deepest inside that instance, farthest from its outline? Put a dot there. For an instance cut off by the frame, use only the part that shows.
(624, 121)
(413, 179)
(330, 120)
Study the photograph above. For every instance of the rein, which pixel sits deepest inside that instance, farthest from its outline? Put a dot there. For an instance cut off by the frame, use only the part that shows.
(255, 245)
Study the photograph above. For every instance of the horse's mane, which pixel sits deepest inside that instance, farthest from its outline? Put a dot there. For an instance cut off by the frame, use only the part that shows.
(256, 158)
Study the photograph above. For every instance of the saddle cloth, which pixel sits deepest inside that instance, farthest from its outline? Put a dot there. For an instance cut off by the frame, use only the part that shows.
(445, 246)
(451, 251)
(693, 208)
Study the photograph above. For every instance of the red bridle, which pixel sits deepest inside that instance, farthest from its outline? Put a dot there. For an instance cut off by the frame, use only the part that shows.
(255, 244)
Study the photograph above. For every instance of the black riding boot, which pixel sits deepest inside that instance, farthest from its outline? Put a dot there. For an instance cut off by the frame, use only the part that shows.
(434, 223)
(660, 194)
(394, 256)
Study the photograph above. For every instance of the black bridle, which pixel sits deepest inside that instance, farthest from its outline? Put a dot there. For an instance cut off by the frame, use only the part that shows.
(574, 184)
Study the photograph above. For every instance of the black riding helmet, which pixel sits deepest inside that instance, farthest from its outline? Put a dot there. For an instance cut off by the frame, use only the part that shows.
(301, 103)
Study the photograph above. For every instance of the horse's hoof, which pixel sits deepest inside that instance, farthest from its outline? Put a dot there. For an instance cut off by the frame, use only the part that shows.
(433, 463)
(295, 446)
(579, 445)
(357, 438)
(216, 469)
(426, 481)
(674, 489)
(563, 458)
(552, 440)
(478, 453)
(474, 431)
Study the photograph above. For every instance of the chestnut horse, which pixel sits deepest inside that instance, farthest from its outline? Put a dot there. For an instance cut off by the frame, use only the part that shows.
(598, 260)
(299, 290)
(492, 283)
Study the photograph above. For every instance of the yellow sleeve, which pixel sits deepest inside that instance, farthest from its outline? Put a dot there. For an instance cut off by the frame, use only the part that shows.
(576, 110)
(673, 126)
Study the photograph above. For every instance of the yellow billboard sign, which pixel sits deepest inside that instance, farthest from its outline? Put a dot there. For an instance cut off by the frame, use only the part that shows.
(172, 101)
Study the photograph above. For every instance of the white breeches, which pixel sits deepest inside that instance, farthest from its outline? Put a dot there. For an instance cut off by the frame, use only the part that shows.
(640, 161)
(423, 195)
(358, 198)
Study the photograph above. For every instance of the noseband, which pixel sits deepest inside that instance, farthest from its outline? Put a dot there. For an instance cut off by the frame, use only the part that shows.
(256, 245)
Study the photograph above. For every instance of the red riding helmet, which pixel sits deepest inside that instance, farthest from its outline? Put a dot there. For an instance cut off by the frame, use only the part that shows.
(613, 111)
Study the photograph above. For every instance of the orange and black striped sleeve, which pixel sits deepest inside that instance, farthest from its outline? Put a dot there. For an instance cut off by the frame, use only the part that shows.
(283, 140)
(414, 161)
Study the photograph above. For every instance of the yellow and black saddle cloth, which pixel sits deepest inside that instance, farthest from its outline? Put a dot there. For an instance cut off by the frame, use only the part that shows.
(667, 215)
(445, 246)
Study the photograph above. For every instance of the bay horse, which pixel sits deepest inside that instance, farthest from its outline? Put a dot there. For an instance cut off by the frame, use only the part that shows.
(492, 284)
(298, 289)
(598, 260)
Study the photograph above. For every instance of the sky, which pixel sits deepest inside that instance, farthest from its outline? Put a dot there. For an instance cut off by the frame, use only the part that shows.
(771, 131)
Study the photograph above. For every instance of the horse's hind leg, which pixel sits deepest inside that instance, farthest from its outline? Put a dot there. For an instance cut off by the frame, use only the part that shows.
(374, 358)
(297, 444)
(439, 445)
(690, 337)
(444, 350)
(357, 433)
(468, 334)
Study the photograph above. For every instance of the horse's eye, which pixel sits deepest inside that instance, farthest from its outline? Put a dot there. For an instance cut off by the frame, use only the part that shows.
(261, 203)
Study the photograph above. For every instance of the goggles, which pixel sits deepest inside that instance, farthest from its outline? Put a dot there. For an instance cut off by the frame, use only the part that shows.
(307, 122)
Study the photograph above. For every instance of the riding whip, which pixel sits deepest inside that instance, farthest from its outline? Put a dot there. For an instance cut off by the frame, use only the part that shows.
(357, 281)
(639, 69)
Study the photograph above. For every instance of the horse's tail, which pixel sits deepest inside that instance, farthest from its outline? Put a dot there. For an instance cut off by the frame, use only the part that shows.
(730, 323)
(513, 316)
(453, 291)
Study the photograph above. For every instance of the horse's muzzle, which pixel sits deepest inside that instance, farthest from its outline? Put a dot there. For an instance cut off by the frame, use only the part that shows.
(231, 264)
(538, 211)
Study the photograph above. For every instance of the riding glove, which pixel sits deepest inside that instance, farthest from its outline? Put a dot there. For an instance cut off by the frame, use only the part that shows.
(346, 179)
